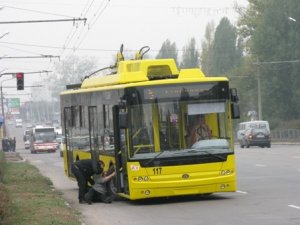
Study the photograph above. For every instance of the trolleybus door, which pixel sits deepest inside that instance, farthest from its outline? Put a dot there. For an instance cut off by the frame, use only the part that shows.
(68, 137)
(120, 150)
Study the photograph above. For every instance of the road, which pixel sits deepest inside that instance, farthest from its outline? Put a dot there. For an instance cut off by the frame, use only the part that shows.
(268, 193)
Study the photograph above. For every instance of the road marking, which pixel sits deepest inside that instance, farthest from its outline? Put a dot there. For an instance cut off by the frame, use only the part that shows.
(260, 165)
(294, 206)
(298, 170)
(242, 192)
(297, 157)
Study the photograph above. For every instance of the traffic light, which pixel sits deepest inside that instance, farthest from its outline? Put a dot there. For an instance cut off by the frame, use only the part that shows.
(20, 81)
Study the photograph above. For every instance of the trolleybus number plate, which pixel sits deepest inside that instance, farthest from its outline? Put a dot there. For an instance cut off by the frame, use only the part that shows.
(157, 170)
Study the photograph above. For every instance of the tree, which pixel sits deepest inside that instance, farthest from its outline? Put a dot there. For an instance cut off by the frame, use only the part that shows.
(190, 55)
(207, 44)
(168, 50)
(71, 71)
(271, 37)
(226, 53)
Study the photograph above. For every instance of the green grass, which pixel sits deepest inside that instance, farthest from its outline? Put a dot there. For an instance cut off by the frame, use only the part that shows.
(32, 199)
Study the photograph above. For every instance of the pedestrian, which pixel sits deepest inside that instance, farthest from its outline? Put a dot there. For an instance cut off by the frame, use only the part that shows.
(3, 145)
(99, 191)
(14, 144)
(83, 170)
(7, 144)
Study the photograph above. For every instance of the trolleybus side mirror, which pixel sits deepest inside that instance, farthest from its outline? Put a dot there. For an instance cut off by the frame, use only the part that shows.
(233, 95)
(235, 110)
(123, 120)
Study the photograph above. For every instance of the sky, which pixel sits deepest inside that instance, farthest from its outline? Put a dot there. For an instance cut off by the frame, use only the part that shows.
(109, 23)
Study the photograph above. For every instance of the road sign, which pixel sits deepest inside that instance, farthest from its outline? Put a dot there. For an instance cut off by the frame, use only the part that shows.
(13, 103)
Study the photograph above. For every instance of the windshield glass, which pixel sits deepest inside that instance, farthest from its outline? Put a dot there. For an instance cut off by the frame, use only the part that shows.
(45, 137)
(179, 128)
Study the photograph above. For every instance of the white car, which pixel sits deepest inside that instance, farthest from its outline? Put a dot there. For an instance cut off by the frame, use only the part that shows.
(27, 144)
(19, 123)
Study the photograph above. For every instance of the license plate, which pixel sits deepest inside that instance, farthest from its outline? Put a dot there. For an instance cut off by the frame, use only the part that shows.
(260, 136)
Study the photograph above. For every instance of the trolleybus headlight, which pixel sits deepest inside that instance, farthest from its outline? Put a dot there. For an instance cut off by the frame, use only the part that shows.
(147, 192)
(222, 186)
(140, 179)
(226, 172)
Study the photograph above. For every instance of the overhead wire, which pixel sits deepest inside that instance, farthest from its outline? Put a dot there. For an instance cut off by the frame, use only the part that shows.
(79, 49)
(99, 11)
(36, 11)
(20, 50)
(74, 29)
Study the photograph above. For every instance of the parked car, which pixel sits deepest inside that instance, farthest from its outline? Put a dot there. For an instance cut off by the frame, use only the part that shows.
(256, 137)
(27, 144)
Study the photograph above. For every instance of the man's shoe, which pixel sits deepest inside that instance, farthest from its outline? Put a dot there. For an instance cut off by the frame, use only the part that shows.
(81, 201)
(108, 199)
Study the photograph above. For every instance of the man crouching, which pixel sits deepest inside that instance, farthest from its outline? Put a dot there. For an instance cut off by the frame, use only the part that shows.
(99, 191)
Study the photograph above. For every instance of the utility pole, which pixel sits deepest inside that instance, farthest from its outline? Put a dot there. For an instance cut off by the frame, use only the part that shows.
(259, 105)
(2, 104)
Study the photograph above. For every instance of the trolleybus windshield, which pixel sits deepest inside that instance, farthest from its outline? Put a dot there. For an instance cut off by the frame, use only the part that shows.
(163, 118)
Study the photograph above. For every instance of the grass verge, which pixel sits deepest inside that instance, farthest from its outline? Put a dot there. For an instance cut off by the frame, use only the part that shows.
(28, 198)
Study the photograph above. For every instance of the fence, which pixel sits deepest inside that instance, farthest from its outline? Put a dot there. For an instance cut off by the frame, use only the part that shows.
(286, 135)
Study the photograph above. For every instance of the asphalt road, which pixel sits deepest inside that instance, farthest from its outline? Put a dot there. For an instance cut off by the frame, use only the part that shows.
(268, 193)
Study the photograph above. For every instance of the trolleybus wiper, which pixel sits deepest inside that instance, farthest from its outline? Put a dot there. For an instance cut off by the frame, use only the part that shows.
(155, 157)
(208, 153)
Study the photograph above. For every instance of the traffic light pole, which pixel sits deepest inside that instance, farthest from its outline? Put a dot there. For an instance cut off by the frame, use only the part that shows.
(2, 107)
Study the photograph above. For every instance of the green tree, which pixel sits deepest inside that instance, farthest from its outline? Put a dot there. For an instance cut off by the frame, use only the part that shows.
(206, 45)
(71, 71)
(226, 51)
(190, 55)
(168, 50)
(273, 40)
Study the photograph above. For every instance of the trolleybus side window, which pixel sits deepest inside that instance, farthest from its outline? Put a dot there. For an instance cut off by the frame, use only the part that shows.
(142, 132)
(169, 125)
(93, 128)
(107, 136)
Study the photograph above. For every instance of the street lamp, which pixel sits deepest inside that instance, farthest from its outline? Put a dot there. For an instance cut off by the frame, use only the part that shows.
(292, 19)
(2, 104)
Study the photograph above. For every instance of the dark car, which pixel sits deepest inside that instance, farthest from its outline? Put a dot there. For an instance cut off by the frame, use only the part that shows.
(256, 137)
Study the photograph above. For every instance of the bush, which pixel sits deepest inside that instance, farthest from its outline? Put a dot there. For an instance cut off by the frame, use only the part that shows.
(4, 202)
(4, 199)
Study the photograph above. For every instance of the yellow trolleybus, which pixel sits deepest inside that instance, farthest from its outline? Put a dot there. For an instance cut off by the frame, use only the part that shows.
(143, 119)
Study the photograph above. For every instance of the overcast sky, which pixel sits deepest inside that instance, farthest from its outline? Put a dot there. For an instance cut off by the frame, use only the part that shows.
(134, 23)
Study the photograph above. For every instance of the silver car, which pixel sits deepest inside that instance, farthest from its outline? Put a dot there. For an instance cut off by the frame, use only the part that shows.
(256, 137)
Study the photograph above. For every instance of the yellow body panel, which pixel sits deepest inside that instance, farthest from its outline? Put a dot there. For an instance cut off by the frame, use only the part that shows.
(181, 180)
